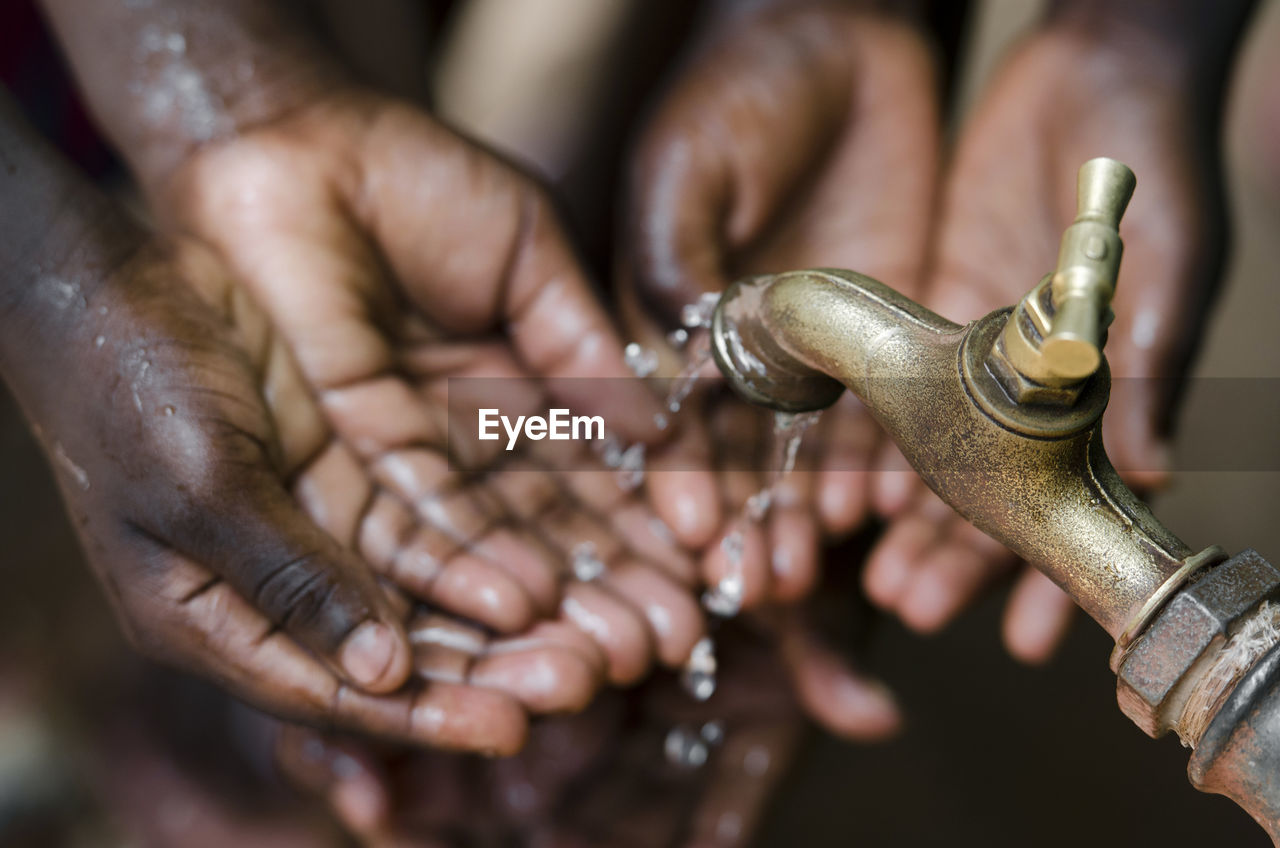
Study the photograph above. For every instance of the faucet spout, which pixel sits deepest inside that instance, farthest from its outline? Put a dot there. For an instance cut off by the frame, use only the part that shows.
(1003, 419)
(1033, 476)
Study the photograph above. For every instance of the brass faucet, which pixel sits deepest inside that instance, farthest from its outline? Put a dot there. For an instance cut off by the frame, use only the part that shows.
(1003, 419)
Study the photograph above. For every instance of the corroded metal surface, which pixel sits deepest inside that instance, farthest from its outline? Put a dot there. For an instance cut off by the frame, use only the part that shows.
(1239, 754)
(1036, 478)
(1002, 418)
(1157, 676)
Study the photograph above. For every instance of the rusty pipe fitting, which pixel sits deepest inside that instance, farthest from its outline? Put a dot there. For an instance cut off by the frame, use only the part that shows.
(1013, 443)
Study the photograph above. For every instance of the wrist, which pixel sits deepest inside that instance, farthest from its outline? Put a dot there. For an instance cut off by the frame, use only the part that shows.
(168, 77)
(60, 238)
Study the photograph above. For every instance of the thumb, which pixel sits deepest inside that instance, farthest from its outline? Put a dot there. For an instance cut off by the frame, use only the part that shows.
(249, 532)
(849, 704)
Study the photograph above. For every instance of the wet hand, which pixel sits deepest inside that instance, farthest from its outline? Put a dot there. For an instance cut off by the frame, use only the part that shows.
(177, 422)
(650, 768)
(800, 139)
(395, 256)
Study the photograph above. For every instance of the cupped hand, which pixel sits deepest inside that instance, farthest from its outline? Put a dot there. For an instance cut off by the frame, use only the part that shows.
(799, 139)
(176, 420)
(652, 767)
(1065, 97)
(404, 266)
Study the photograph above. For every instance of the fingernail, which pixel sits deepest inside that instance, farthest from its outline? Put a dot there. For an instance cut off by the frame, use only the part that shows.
(368, 652)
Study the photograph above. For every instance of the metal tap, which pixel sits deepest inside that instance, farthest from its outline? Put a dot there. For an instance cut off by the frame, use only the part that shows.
(1003, 419)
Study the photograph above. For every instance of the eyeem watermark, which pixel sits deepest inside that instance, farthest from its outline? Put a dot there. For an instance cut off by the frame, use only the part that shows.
(558, 426)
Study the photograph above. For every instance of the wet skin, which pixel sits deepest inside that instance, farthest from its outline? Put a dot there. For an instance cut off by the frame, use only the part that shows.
(599, 778)
(181, 493)
(784, 146)
(425, 259)
(186, 436)
(390, 255)
(805, 137)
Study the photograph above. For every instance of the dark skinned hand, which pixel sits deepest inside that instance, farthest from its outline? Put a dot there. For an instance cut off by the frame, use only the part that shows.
(602, 778)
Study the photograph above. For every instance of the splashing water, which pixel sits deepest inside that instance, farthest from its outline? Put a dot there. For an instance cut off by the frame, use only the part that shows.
(684, 748)
(699, 674)
(586, 562)
(698, 313)
(640, 360)
(627, 461)
(788, 431)
(689, 747)
(631, 468)
(725, 599)
(698, 355)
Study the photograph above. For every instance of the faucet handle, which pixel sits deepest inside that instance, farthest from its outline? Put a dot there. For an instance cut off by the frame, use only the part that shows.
(1085, 279)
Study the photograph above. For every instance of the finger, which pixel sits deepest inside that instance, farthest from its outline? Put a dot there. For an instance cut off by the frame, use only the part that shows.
(248, 531)
(683, 489)
(434, 569)
(675, 620)
(205, 624)
(737, 568)
(895, 483)
(1140, 452)
(500, 257)
(648, 536)
(340, 773)
(527, 561)
(621, 632)
(562, 333)
(544, 678)
(1037, 618)
(850, 439)
(334, 490)
(693, 196)
(949, 576)
(844, 701)
(793, 553)
(898, 553)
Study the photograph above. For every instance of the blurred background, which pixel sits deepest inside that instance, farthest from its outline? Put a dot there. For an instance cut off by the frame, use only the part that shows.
(98, 748)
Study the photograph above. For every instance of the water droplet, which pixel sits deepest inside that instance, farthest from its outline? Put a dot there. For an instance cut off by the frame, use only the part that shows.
(586, 562)
(631, 468)
(698, 677)
(725, 600)
(659, 528)
(684, 748)
(661, 421)
(641, 361)
(99, 341)
(678, 338)
(698, 313)
(168, 411)
(713, 732)
(757, 506)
